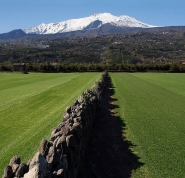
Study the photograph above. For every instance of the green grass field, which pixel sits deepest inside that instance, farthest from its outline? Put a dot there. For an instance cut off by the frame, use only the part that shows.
(152, 105)
(31, 105)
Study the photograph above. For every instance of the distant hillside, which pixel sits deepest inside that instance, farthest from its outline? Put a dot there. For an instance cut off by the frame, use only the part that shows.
(153, 46)
(103, 30)
(14, 34)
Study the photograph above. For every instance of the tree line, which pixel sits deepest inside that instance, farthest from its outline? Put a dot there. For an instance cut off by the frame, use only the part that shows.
(100, 67)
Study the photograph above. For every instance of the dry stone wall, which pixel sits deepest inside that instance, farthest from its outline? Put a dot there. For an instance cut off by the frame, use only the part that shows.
(62, 156)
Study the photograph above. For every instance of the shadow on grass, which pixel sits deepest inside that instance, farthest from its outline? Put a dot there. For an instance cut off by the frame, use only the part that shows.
(132, 159)
(109, 154)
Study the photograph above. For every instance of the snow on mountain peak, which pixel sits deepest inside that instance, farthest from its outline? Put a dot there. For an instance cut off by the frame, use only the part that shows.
(93, 21)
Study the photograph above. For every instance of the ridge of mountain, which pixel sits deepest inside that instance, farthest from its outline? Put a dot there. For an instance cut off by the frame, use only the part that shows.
(94, 21)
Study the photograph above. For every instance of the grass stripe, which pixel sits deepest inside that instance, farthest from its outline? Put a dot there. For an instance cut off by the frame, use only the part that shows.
(154, 115)
(29, 119)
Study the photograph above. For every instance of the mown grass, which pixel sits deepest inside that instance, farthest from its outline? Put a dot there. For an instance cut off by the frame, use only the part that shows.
(31, 105)
(152, 107)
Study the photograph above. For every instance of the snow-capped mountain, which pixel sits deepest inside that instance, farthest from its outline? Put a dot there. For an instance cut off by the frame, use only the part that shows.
(92, 22)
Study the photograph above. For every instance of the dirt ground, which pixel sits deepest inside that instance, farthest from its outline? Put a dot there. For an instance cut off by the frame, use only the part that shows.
(108, 153)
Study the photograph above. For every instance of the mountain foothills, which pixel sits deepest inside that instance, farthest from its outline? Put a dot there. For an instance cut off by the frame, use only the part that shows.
(161, 48)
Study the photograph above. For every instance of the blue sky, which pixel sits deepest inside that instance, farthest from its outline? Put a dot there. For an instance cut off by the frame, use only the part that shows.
(16, 14)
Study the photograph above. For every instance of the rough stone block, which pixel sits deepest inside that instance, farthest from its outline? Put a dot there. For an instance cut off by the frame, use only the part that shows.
(44, 147)
(8, 173)
(54, 156)
(61, 142)
(70, 140)
(15, 167)
(68, 109)
(38, 166)
(15, 160)
(23, 169)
